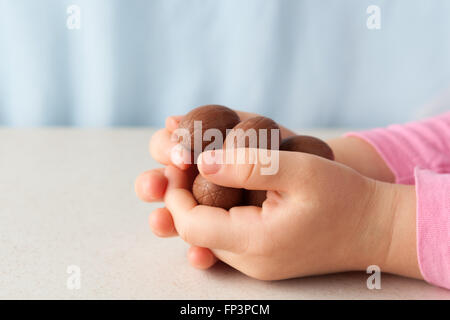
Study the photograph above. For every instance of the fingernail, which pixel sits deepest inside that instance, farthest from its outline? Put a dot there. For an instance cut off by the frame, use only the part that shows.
(180, 156)
(210, 162)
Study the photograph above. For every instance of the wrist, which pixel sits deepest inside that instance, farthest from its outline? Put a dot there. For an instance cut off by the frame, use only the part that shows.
(387, 230)
(401, 257)
(375, 227)
(362, 157)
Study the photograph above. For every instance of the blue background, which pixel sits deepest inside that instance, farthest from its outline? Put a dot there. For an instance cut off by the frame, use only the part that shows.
(304, 63)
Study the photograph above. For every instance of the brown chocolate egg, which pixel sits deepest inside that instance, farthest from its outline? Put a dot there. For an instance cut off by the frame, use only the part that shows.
(253, 133)
(211, 117)
(243, 136)
(210, 194)
(254, 197)
(307, 144)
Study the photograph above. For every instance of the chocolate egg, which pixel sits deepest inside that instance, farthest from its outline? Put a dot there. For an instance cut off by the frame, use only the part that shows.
(210, 194)
(253, 133)
(243, 137)
(211, 117)
(307, 144)
(254, 197)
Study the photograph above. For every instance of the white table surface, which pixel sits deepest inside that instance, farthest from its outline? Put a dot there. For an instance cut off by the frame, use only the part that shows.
(67, 198)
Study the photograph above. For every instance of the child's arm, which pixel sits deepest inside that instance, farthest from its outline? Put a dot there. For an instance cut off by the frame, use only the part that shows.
(424, 144)
(361, 156)
(366, 152)
(415, 153)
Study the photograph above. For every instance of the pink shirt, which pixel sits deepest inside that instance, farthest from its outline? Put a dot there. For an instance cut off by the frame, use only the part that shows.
(419, 153)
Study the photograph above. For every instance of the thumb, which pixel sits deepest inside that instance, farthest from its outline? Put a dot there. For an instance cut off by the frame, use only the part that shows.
(250, 168)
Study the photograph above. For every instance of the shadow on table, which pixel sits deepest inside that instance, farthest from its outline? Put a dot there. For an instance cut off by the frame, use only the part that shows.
(347, 285)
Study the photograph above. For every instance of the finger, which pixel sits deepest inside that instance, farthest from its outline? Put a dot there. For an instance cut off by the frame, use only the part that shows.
(166, 150)
(161, 145)
(151, 185)
(178, 178)
(160, 220)
(172, 123)
(201, 258)
(209, 227)
(181, 157)
(256, 169)
(161, 223)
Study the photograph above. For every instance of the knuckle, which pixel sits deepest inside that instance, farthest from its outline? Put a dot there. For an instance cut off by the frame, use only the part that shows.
(246, 172)
(185, 233)
(309, 168)
(250, 170)
(307, 162)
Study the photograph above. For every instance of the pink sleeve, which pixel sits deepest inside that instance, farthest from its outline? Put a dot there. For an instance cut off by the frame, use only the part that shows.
(433, 226)
(419, 153)
(403, 147)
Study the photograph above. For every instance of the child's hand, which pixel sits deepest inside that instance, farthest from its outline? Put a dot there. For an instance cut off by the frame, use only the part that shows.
(151, 185)
(319, 217)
